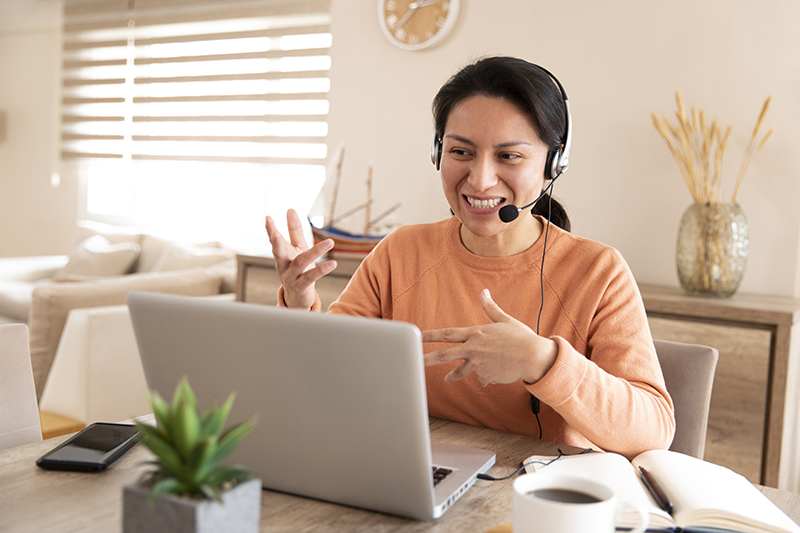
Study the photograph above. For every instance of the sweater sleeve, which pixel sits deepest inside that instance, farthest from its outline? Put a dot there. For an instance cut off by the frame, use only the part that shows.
(614, 395)
(316, 307)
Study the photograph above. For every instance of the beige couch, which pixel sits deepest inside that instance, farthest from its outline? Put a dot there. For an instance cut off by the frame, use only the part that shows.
(97, 374)
(104, 264)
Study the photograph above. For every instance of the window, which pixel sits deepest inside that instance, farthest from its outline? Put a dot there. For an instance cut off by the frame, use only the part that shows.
(195, 115)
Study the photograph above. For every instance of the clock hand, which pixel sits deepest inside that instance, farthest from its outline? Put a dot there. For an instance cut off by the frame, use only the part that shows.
(412, 8)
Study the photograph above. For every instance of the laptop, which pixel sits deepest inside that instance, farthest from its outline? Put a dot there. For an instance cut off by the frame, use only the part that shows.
(340, 400)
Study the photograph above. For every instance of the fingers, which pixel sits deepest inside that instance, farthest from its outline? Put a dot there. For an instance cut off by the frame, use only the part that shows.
(296, 266)
(483, 349)
(299, 275)
(462, 371)
(446, 335)
(459, 373)
(313, 274)
(280, 248)
(491, 309)
(445, 355)
(296, 236)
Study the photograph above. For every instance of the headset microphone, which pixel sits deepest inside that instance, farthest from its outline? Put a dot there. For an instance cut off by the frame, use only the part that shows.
(509, 213)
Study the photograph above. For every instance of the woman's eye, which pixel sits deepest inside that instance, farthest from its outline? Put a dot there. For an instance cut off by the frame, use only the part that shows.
(459, 152)
(509, 156)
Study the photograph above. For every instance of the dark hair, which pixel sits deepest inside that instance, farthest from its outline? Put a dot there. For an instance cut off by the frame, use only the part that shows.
(527, 86)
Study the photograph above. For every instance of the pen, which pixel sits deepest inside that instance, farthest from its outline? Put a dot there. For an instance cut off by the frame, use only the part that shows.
(656, 490)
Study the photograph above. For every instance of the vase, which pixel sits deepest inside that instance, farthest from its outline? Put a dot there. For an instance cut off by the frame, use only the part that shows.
(712, 249)
(239, 512)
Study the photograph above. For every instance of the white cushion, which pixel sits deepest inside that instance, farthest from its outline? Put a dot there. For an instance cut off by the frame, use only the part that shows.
(152, 251)
(115, 234)
(97, 256)
(176, 257)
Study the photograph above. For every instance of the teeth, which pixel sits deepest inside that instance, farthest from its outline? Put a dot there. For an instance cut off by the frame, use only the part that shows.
(484, 204)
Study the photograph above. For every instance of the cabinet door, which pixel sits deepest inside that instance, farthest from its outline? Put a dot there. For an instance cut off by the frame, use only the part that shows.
(261, 284)
(738, 400)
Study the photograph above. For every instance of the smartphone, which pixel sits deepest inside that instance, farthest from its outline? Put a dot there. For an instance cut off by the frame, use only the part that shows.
(92, 449)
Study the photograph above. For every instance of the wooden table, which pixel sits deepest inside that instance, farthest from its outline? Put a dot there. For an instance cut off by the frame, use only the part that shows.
(32, 499)
(780, 464)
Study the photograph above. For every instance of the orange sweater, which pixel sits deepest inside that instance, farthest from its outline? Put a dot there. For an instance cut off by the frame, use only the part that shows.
(605, 389)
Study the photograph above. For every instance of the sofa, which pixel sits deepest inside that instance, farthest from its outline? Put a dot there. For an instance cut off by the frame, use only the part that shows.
(105, 262)
(97, 374)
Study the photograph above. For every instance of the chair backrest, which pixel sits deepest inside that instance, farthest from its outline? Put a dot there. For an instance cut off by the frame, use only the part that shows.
(19, 413)
(689, 375)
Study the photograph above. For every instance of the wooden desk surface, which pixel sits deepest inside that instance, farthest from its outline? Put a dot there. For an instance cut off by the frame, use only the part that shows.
(32, 499)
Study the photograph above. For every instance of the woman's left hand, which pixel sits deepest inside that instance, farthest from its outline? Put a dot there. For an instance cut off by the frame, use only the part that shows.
(504, 351)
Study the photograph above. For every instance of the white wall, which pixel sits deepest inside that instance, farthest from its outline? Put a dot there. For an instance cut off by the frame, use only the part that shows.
(35, 217)
(619, 61)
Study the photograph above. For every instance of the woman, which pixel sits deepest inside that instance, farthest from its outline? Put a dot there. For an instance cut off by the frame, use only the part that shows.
(511, 312)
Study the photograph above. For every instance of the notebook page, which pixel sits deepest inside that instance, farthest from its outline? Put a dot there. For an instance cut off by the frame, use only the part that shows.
(705, 494)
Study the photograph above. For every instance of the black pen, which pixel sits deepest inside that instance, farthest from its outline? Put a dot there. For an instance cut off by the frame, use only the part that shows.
(656, 490)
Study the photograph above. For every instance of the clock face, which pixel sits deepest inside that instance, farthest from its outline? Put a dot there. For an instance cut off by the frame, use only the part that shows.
(417, 24)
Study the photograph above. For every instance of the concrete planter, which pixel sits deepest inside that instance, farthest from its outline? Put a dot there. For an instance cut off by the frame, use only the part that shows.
(240, 512)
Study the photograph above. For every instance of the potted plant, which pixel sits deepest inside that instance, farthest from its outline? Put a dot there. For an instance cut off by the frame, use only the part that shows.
(189, 489)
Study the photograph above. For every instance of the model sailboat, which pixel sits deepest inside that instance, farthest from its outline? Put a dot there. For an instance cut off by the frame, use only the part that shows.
(347, 242)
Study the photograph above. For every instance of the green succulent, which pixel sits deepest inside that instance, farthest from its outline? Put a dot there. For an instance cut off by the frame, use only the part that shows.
(190, 447)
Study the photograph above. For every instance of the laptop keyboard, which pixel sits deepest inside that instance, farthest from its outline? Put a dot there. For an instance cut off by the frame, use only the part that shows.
(439, 474)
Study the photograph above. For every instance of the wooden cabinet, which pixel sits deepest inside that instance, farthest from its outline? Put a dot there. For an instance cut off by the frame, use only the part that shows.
(755, 400)
(258, 282)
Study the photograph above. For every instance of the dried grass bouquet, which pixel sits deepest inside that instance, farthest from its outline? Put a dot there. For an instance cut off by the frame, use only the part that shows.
(698, 148)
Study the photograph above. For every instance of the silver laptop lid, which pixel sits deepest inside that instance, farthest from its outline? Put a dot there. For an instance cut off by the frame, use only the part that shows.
(341, 403)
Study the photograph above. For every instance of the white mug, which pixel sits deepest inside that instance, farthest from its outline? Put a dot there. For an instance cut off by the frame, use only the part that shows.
(559, 503)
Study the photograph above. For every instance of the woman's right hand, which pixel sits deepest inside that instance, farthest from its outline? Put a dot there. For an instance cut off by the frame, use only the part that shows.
(295, 262)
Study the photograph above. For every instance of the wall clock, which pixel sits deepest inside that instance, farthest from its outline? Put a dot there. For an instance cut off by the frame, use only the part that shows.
(417, 24)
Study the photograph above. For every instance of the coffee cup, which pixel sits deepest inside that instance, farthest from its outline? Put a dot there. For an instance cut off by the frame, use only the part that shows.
(556, 503)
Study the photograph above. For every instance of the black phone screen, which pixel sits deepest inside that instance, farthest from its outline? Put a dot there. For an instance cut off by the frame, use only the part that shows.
(92, 448)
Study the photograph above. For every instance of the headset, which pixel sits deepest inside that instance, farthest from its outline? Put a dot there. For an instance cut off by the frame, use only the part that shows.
(557, 160)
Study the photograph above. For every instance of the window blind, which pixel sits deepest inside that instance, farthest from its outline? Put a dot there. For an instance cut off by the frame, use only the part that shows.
(196, 80)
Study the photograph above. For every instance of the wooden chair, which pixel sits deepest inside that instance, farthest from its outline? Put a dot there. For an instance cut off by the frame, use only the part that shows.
(689, 375)
(19, 415)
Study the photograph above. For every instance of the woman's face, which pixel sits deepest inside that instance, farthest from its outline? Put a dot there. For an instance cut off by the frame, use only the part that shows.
(492, 157)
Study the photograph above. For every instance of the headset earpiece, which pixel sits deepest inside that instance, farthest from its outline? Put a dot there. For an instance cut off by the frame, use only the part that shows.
(554, 163)
(436, 150)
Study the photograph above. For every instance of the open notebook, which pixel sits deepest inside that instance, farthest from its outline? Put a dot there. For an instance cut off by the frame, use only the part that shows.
(706, 497)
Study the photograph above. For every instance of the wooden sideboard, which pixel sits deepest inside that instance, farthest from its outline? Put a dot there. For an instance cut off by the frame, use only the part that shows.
(258, 282)
(779, 320)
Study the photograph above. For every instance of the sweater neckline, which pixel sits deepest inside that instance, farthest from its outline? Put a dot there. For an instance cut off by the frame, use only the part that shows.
(532, 255)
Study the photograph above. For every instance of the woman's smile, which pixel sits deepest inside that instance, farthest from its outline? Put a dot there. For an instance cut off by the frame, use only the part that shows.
(484, 205)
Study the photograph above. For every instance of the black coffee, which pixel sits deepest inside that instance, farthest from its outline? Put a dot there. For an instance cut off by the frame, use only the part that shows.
(564, 496)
